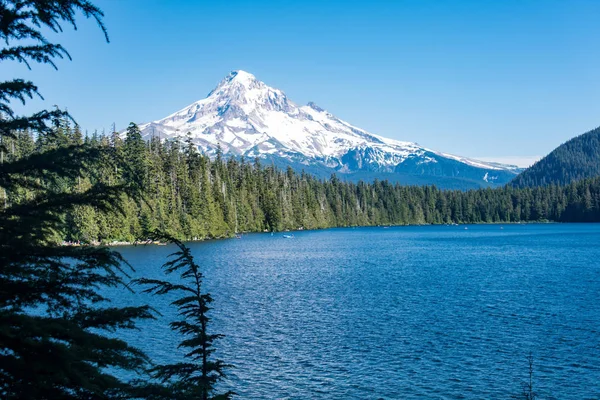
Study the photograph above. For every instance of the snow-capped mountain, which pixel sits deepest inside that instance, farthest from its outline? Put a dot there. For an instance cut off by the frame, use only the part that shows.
(245, 117)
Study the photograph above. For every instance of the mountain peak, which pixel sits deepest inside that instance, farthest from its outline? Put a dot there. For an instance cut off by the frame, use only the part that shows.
(241, 76)
(238, 78)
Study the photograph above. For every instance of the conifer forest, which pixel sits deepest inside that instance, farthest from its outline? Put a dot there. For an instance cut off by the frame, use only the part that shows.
(194, 197)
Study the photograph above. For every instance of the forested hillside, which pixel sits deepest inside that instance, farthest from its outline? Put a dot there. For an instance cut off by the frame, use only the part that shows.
(194, 197)
(579, 158)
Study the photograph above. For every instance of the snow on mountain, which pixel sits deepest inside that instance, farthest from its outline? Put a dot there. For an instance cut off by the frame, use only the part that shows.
(246, 117)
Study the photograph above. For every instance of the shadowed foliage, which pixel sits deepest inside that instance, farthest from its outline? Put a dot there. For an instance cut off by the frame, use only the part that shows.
(197, 376)
(56, 329)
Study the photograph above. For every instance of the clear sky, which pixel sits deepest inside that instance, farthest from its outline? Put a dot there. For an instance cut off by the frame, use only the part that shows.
(481, 78)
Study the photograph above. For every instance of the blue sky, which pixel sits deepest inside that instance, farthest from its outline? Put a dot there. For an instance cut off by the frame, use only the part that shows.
(491, 79)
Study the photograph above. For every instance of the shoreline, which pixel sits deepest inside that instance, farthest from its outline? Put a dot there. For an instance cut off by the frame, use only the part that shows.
(118, 243)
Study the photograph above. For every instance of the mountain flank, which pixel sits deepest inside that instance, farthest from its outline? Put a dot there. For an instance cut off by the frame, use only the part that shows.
(576, 159)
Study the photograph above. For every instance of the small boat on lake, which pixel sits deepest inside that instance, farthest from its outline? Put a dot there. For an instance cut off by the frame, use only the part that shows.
(289, 236)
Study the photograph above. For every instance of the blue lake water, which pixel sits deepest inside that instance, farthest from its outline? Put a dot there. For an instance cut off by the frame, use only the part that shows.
(433, 312)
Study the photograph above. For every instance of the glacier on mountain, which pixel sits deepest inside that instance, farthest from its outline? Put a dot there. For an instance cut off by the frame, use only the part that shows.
(244, 117)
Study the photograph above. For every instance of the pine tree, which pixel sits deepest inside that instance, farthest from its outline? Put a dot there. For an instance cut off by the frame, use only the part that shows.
(196, 378)
(134, 149)
(53, 321)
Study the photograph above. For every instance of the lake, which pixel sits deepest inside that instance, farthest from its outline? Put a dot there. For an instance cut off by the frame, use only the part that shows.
(424, 312)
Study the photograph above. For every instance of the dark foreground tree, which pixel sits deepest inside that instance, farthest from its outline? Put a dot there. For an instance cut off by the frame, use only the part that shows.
(54, 324)
(195, 378)
(528, 393)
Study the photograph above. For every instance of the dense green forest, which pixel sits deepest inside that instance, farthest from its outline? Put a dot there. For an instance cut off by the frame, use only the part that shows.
(193, 197)
(578, 158)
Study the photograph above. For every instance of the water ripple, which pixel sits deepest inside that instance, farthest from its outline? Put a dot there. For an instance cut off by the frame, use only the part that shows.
(401, 313)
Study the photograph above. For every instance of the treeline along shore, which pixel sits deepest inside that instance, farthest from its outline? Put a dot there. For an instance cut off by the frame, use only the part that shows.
(194, 197)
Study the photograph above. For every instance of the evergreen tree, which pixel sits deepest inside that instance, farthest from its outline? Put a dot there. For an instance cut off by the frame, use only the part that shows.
(134, 149)
(192, 196)
(196, 378)
(53, 321)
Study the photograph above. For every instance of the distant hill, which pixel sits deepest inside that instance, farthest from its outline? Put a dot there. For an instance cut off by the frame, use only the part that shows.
(579, 158)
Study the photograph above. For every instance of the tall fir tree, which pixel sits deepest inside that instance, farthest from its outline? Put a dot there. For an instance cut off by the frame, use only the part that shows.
(56, 338)
(197, 377)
